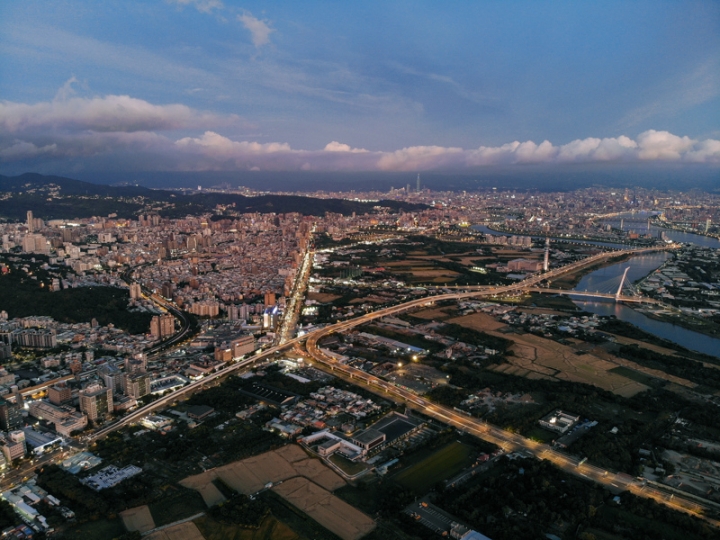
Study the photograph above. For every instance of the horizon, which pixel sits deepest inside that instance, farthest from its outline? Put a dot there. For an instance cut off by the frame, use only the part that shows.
(202, 85)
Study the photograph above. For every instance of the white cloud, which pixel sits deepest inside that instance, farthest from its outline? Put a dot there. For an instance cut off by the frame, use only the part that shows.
(335, 146)
(220, 146)
(204, 6)
(109, 113)
(259, 30)
(663, 145)
(113, 127)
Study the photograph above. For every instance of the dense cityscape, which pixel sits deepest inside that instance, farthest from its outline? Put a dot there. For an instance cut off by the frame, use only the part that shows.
(371, 342)
(379, 270)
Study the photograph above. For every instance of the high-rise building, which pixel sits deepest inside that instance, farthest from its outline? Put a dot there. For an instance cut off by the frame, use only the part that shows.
(137, 385)
(417, 186)
(135, 291)
(162, 326)
(96, 401)
(30, 221)
(112, 376)
(59, 394)
(137, 364)
(13, 445)
(269, 299)
(10, 415)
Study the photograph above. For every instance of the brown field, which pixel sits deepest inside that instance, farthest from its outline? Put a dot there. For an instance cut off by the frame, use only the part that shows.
(323, 298)
(203, 484)
(437, 314)
(138, 519)
(551, 359)
(540, 358)
(329, 511)
(478, 321)
(181, 531)
(252, 474)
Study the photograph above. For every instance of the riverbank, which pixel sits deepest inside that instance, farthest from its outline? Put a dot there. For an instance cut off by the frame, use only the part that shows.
(571, 280)
(695, 324)
(571, 239)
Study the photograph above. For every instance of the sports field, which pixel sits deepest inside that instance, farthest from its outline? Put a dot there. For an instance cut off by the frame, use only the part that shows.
(441, 465)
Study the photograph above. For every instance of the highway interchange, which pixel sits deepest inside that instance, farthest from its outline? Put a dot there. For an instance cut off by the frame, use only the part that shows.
(510, 442)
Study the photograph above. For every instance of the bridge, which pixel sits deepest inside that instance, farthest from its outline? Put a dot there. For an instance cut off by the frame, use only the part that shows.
(588, 294)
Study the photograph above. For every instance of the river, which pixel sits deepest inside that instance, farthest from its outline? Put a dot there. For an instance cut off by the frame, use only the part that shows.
(638, 222)
(604, 279)
(640, 266)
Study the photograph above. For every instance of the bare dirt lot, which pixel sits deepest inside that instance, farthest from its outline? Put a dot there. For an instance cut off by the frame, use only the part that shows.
(478, 321)
(321, 505)
(437, 314)
(138, 519)
(182, 531)
(322, 297)
(539, 358)
(253, 474)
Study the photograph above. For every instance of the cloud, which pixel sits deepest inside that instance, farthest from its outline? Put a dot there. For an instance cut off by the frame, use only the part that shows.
(259, 30)
(204, 6)
(339, 147)
(108, 113)
(126, 131)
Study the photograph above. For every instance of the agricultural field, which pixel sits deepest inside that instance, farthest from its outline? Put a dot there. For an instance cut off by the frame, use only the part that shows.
(437, 467)
(269, 529)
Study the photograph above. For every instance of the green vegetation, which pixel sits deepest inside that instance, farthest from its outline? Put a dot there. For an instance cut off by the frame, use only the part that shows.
(527, 498)
(475, 337)
(269, 529)
(7, 515)
(97, 530)
(23, 296)
(240, 510)
(681, 367)
(176, 504)
(440, 466)
(637, 376)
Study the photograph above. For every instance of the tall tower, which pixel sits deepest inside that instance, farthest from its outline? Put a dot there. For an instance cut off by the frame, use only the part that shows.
(622, 223)
(708, 222)
(30, 223)
(546, 261)
(417, 185)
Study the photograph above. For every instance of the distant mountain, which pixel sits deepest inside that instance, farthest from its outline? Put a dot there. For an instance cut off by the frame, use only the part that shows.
(566, 177)
(56, 197)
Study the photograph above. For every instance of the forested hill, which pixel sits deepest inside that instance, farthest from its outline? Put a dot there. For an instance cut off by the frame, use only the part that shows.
(55, 197)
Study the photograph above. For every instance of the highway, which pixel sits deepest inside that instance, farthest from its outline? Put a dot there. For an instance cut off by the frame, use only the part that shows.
(509, 441)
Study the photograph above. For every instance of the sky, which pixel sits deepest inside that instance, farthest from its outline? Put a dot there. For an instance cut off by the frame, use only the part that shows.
(220, 85)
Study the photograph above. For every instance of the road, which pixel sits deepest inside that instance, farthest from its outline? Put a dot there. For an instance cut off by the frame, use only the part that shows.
(509, 441)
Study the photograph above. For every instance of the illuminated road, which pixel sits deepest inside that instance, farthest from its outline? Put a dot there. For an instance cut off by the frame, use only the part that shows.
(502, 438)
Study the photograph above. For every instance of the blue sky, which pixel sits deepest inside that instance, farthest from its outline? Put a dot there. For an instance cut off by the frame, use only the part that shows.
(224, 85)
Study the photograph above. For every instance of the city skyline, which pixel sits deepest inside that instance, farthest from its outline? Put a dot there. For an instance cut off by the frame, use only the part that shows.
(202, 85)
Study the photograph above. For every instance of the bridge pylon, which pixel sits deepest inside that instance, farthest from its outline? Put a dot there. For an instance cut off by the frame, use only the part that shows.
(618, 294)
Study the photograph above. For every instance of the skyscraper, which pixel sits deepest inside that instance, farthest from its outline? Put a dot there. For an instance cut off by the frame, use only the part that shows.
(30, 223)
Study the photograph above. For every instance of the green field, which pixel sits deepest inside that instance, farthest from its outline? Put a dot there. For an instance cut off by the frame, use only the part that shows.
(183, 505)
(636, 376)
(539, 434)
(351, 468)
(102, 529)
(441, 465)
(270, 529)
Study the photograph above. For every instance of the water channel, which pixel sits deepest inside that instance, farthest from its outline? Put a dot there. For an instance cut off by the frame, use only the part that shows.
(607, 278)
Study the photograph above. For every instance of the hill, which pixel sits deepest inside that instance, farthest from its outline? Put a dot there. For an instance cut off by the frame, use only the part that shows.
(56, 197)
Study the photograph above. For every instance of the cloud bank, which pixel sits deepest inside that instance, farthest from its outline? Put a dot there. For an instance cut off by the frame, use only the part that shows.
(130, 132)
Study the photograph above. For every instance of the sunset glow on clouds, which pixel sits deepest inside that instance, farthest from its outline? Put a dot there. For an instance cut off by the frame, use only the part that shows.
(217, 85)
